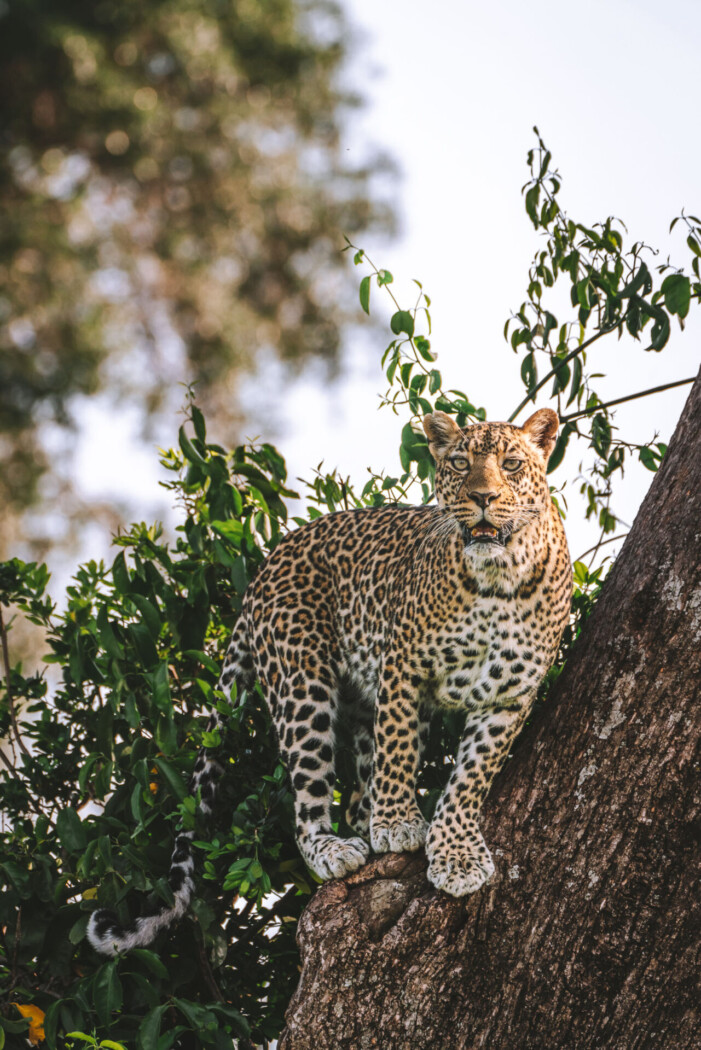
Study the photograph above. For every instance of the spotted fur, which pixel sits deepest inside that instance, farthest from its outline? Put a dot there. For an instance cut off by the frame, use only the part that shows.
(378, 617)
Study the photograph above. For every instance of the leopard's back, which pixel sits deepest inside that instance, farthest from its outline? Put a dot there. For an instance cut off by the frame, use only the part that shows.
(332, 586)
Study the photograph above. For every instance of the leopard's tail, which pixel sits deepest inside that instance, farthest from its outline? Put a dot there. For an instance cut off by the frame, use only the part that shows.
(105, 932)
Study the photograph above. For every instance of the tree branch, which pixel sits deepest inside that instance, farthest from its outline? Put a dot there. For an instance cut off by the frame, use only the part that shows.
(629, 397)
(565, 360)
(601, 543)
(6, 762)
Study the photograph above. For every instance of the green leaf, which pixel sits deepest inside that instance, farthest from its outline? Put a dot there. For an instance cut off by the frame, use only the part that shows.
(150, 1028)
(640, 278)
(229, 1013)
(581, 573)
(384, 277)
(107, 992)
(392, 368)
(584, 293)
(423, 347)
(601, 434)
(166, 734)
(402, 321)
(70, 830)
(150, 614)
(405, 371)
(660, 329)
(198, 423)
(172, 778)
(77, 931)
(562, 376)
(529, 372)
(558, 453)
(648, 459)
(676, 289)
(239, 574)
(108, 637)
(418, 383)
(576, 378)
(120, 574)
(365, 294)
(161, 689)
(198, 1016)
(51, 1021)
(229, 529)
(188, 449)
(149, 959)
(532, 199)
(203, 658)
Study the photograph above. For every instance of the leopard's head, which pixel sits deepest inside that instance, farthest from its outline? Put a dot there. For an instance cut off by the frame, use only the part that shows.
(491, 480)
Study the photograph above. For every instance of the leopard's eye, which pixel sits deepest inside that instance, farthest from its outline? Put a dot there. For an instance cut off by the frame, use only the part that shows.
(512, 465)
(460, 463)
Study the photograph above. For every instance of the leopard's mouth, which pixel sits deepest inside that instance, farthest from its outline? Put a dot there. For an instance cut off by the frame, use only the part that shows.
(484, 533)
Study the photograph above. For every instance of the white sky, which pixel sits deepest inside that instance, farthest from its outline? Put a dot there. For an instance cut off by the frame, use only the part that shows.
(453, 90)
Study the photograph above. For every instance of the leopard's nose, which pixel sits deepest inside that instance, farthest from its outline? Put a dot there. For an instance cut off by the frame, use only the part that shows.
(482, 498)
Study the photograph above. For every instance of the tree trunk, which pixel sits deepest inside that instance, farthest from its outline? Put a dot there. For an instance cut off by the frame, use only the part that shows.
(587, 937)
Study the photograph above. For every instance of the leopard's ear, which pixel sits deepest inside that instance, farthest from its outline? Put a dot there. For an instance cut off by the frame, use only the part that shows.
(441, 431)
(542, 428)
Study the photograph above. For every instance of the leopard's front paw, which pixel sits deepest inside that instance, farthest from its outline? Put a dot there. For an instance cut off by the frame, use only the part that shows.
(332, 857)
(396, 836)
(459, 875)
(458, 859)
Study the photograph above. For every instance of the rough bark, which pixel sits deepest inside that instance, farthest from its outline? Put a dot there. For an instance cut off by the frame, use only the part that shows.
(587, 937)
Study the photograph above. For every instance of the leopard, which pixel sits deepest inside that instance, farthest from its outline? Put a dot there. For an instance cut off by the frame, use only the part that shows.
(377, 618)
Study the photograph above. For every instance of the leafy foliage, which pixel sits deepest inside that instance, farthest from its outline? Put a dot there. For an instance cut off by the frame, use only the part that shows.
(98, 752)
(613, 292)
(138, 649)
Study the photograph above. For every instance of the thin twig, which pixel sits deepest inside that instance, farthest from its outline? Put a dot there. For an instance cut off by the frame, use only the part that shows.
(601, 543)
(6, 762)
(630, 397)
(573, 353)
(8, 685)
(209, 977)
(15, 950)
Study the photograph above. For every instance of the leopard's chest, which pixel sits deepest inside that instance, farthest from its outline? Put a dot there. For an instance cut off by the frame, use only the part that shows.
(489, 654)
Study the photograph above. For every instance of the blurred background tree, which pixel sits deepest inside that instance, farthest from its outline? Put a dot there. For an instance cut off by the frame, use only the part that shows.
(174, 195)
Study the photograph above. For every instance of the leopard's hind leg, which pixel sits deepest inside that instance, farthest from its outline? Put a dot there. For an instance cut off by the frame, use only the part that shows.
(302, 706)
(359, 805)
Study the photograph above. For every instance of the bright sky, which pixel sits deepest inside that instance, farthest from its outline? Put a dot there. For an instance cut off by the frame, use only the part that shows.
(453, 90)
